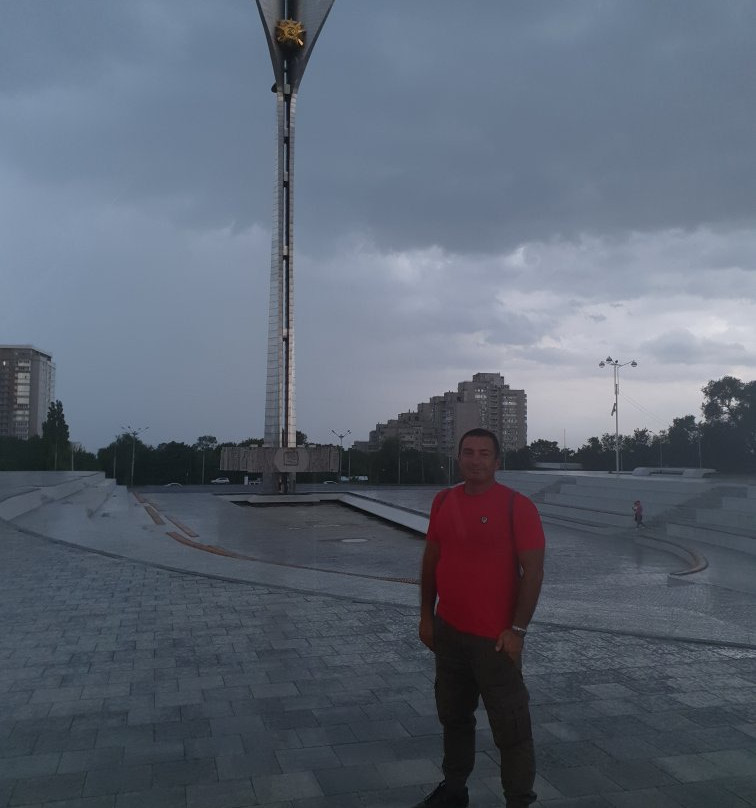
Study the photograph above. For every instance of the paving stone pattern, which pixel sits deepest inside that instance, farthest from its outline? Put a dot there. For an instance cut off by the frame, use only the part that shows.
(127, 686)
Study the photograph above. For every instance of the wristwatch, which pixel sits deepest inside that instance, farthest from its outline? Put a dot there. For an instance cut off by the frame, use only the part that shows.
(520, 632)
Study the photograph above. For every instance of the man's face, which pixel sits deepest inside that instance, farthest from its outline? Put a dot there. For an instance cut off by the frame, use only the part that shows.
(477, 460)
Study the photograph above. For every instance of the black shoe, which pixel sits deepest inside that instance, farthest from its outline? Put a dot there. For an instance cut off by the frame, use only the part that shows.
(443, 797)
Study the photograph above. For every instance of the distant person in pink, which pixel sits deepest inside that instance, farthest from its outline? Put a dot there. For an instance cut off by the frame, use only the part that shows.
(638, 513)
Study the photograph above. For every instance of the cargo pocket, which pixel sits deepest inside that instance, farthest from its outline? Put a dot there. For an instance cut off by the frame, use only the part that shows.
(510, 725)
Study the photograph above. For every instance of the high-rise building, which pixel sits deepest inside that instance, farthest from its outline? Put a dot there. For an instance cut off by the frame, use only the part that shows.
(499, 408)
(485, 401)
(27, 387)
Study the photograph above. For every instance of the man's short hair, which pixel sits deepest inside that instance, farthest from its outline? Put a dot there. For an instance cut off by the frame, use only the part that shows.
(479, 432)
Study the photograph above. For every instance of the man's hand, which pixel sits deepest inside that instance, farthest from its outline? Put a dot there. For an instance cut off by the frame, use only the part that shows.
(426, 632)
(428, 592)
(511, 644)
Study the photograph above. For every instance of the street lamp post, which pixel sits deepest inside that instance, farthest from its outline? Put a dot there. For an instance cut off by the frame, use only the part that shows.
(341, 447)
(698, 435)
(129, 430)
(615, 364)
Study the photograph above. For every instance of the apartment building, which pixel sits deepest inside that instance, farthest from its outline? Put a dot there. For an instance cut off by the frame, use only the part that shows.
(499, 408)
(27, 387)
(437, 425)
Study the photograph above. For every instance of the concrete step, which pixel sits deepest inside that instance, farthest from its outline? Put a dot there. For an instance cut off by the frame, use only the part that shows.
(738, 521)
(93, 497)
(645, 485)
(16, 506)
(599, 529)
(660, 501)
(741, 505)
(406, 517)
(526, 484)
(620, 507)
(588, 516)
(709, 535)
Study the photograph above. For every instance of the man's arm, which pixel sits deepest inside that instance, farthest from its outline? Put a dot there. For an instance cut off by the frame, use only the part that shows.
(531, 563)
(428, 591)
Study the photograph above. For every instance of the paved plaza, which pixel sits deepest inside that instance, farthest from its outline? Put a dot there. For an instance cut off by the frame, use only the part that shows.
(268, 657)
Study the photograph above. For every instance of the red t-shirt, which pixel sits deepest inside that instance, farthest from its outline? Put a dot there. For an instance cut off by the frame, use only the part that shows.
(478, 572)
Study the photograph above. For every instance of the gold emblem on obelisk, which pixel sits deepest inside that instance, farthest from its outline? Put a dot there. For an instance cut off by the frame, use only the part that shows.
(290, 34)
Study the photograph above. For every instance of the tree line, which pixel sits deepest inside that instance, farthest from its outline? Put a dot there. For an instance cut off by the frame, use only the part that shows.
(52, 451)
(724, 439)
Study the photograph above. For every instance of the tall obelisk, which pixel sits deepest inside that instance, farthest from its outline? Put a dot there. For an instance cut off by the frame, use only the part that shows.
(292, 28)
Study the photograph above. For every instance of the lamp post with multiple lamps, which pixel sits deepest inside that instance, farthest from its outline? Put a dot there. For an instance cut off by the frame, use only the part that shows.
(135, 433)
(341, 447)
(615, 364)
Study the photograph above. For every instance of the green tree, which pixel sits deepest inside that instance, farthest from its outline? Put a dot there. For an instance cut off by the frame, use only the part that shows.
(637, 449)
(518, 459)
(682, 442)
(170, 462)
(112, 459)
(358, 463)
(248, 442)
(139, 459)
(205, 443)
(82, 460)
(596, 454)
(729, 429)
(23, 455)
(724, 400)
(384, 463)
(56, 436)
(545, 451)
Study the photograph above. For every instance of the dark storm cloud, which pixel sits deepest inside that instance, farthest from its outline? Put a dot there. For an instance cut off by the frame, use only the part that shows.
(684, 347)
(496, 185)
(480, 126)
(473, 127)
(141, 103)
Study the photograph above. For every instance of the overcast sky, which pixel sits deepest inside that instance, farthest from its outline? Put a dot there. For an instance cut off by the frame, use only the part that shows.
(522, 186)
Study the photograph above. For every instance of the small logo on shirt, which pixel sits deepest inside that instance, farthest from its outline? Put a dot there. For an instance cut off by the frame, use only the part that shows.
(483, 519)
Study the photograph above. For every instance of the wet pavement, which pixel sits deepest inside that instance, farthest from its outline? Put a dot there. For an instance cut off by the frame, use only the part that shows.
(282, 668)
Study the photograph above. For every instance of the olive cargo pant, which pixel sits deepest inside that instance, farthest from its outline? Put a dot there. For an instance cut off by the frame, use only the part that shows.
(469, 667)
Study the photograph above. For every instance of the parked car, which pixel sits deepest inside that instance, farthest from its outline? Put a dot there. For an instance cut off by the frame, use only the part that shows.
(220, 481)
(173, 485)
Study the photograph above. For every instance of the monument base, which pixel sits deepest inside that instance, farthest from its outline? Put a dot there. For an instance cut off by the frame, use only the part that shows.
(277, 482)
(279, 465)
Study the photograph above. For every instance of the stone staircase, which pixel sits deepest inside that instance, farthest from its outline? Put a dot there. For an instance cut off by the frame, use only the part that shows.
(724, 517)
(599, 504)
(90, 488)
(699, 511)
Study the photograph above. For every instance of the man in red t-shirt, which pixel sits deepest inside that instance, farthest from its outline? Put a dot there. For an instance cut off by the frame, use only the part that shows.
(481, 578)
